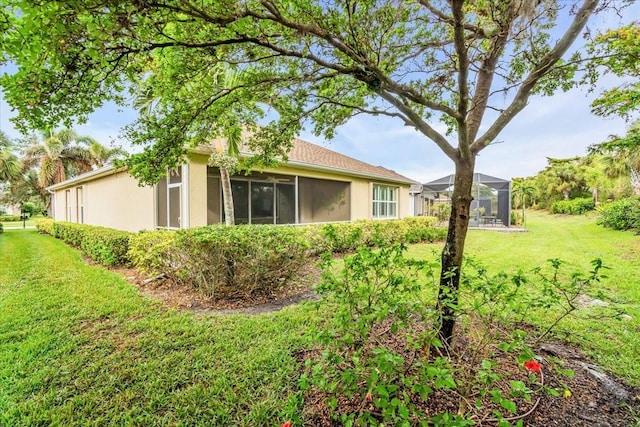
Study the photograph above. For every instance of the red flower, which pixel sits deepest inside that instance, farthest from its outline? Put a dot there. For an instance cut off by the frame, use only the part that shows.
(369, 397)
(533, 366)
(287, 424)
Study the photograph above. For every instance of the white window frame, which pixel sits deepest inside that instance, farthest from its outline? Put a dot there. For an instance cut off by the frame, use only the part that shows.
(67, 198)
(80, 204)
(384, 200)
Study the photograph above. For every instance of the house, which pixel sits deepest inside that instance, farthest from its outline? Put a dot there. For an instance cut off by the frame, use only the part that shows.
(315, 185)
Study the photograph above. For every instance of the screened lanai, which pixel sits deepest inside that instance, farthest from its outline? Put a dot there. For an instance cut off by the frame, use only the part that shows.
(491, 205)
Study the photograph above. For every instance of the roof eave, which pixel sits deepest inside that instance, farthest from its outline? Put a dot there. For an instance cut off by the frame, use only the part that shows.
(98, 173)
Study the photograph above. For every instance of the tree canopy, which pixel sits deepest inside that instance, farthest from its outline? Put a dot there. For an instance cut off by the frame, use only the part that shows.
(470, 64)
(618, 52)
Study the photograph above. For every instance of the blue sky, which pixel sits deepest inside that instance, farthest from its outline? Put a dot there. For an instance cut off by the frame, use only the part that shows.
(560, 126)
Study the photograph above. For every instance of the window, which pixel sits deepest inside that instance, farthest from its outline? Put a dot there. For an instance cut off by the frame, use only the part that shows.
(169, 197)
(322, 200)
(260, 198)
(67, 201)
(385, 201)
(80, 212)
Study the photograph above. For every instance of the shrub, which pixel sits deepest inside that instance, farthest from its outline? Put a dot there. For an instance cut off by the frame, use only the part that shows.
(378, 356)
(622, 214)
(573, 207)
(156, 252)
(106, 246)
(10, 218)
(45, 226)
(230, 262)
(1, 228)
(348, 236)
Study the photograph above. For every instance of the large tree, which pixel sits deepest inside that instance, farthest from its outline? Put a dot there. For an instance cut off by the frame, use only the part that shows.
(10, 166)
(470, 64)
(57, 156)
(623, 154)
(618, 53)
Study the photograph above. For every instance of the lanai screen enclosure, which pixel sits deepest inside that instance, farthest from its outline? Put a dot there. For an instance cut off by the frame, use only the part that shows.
(491, 198)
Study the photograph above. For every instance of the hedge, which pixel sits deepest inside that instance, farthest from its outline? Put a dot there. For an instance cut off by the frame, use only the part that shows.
(622, 214)
(1, 228)
(573, 207)
(246, 260)
(235, 262)
(45, 226)
(105, 246)
(10, 218)
(229, 262)
(347, 236)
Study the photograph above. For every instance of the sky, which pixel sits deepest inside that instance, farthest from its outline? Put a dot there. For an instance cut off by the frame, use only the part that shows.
(561, 126)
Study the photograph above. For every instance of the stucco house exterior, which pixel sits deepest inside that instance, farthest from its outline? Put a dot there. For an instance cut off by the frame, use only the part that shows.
(314, 185)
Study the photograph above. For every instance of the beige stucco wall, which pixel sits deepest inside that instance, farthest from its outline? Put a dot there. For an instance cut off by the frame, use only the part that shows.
(114, 201)
(361, 190)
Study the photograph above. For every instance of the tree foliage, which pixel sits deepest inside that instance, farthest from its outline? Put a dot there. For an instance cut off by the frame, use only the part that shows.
(9, 163)
(624, 155)
(618, 52)
(471, 65)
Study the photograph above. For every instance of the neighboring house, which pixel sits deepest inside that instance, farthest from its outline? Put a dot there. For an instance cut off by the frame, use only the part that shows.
(314, 185)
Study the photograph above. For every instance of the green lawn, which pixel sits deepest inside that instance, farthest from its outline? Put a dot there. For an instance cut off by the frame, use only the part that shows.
(18, 224)
(80, 346)
(615, 344)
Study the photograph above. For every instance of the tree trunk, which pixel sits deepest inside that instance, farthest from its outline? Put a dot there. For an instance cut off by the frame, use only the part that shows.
(453, 250)
(227, 197)
(635, 181)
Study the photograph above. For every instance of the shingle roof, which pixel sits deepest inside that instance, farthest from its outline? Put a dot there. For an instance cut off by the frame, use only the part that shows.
(309, 154)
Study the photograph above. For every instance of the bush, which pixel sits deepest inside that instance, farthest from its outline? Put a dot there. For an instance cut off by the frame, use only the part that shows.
(1, 228)
(573, 207)
(348, 236)
(622, 214)
(229, 262)
(105, 246)
(45, 226)
(10, 218)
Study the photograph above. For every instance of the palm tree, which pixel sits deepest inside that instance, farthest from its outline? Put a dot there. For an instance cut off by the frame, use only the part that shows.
(57, 156)
(227, 127)
(564, 176)
(10, 166)
(624, 156)
(522, 189)
(101, 155)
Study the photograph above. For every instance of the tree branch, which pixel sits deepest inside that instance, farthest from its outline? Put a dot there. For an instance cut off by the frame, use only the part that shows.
(544, 65)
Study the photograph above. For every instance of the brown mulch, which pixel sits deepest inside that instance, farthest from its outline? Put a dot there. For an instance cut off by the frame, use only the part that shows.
(597, 398)
(183, 297)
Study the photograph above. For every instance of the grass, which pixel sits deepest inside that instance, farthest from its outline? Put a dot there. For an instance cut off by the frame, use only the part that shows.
(80, 346)
(18, 224)
(576, 240)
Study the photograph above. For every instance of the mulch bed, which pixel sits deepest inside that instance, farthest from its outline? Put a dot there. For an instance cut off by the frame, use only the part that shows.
(597, 398)
(183, 297)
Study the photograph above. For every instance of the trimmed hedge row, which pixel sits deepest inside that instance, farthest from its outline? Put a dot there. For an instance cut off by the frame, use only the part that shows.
(573, 207)
(229, 262)
(622, 214)
(235, 262)
(104, 245)
(10, 218)
(348, 236)
(243, 261)
(45, 226)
